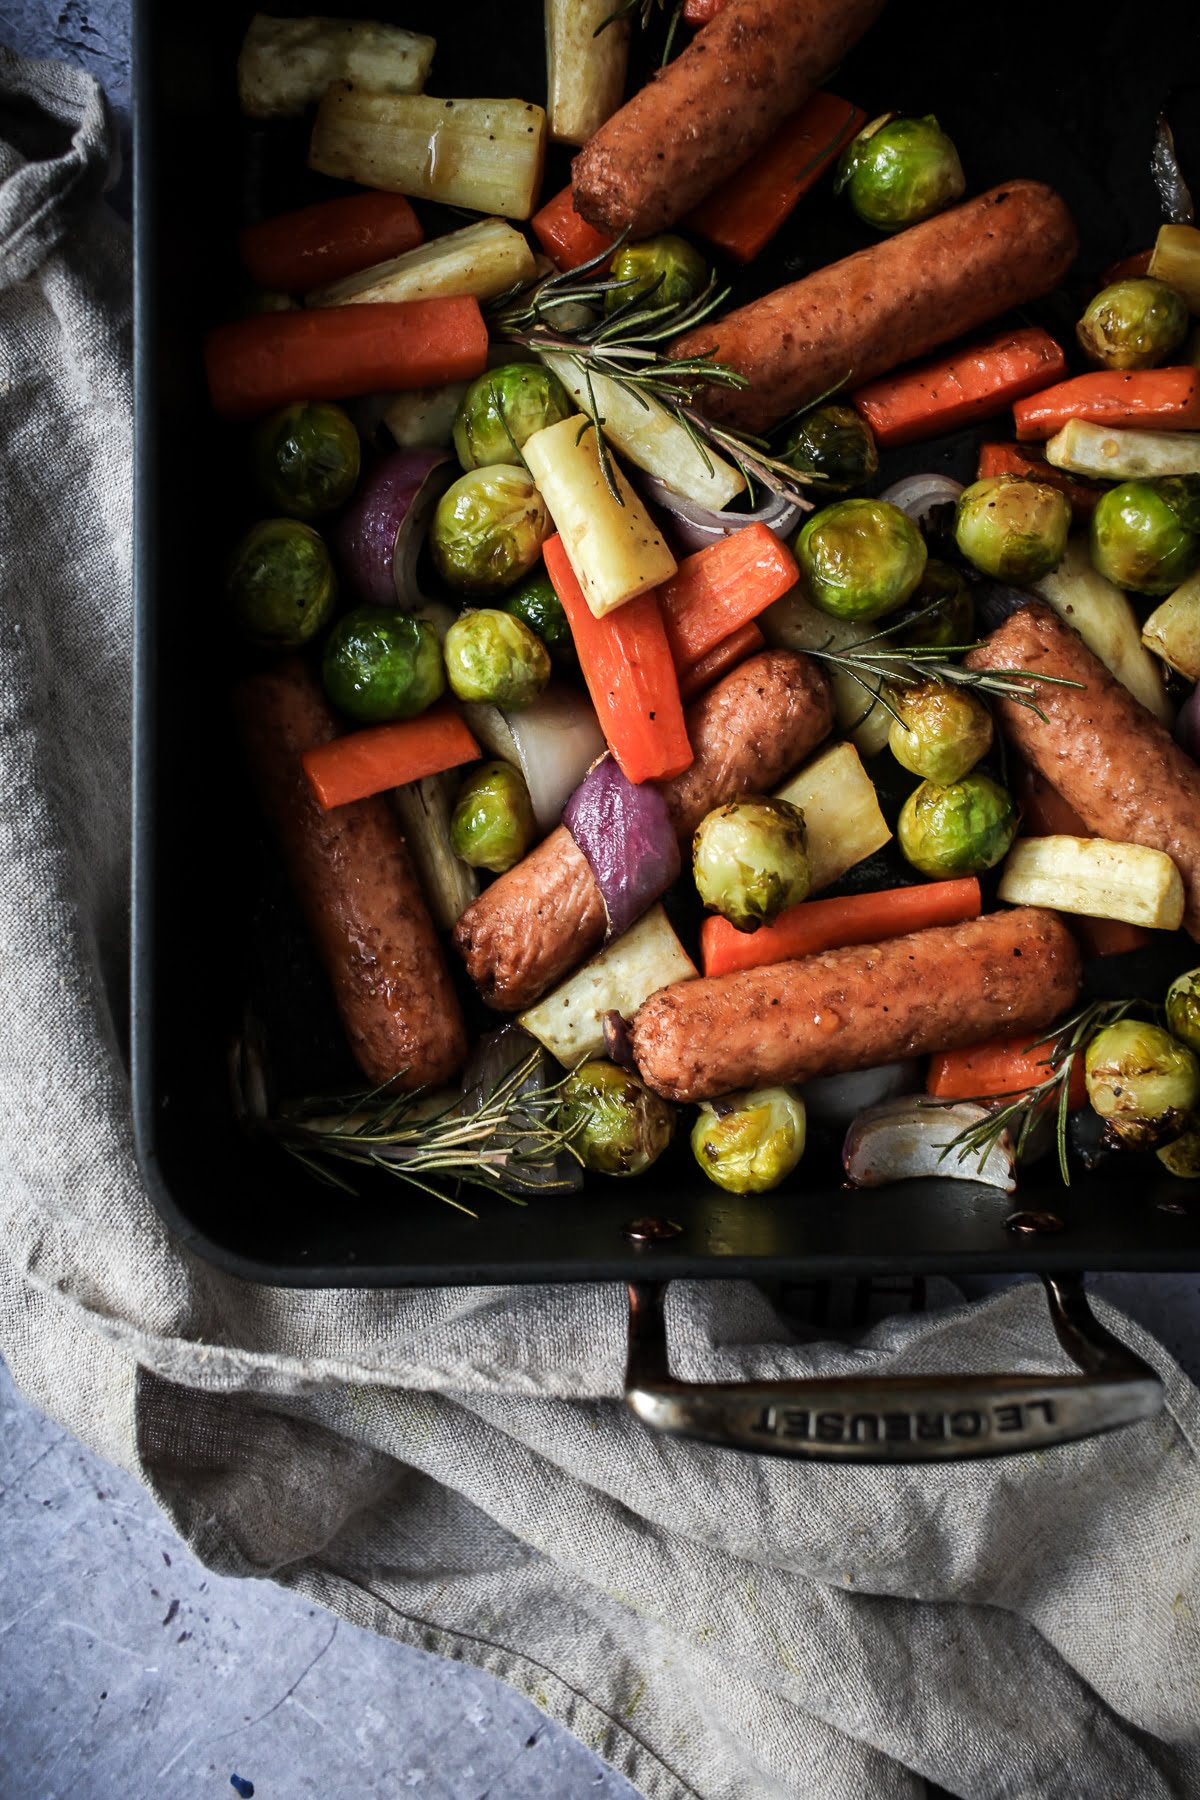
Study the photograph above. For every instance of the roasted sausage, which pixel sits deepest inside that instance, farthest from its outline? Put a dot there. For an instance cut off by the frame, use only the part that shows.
(352, 876)
(1098, 746)
(854, 1009)
(542, 918)
(710, 109)
(886, 305)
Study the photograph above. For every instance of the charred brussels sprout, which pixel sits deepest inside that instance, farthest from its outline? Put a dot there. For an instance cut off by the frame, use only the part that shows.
(1139, 542)
(662, 271)
(749, 860)
(306, 458)
(281, 584)
(941, 609)
(835, 446)
(899, 170)
(615, 1123)
(495, 657)
(488, 530)
(957, 830)
(749, 1143)
(1134, 324)
(382, 665)
(537, 605)
(502, 408)
(859, 559)
(1012, 528)
(492, 823)
(941, 733)
(1142, 1083)
(1182, 1158)
(1183, 1009)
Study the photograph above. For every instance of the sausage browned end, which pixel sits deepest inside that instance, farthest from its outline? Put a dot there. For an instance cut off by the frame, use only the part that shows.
(356, 887)
(1098, 746)
(886, 305)
(545, 916)
(710, 109)
(853, 1009)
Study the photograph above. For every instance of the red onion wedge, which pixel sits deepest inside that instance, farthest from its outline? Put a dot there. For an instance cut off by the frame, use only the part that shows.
(379, 535)
(691, 526)
(917, 495)
(626, 834)
(839, 1099)
(903, 1139)
(554, 742)
(618, 1046)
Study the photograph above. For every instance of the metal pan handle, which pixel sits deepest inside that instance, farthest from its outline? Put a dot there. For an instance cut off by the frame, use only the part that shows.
(897, 1418)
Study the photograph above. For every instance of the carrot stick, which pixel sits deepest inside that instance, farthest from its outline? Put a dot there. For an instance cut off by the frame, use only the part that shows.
(626, 663)
(956, 390)
(338, 351)
(567, 239)
(833, 924)
(719, 660)
(1011, 459)
(699, 12)
(747, 209)
(304, 249)
(388, 756)
(1137, 264)
(722, 587)
(1046, 814)
(1001, 1066)
(1166, 398)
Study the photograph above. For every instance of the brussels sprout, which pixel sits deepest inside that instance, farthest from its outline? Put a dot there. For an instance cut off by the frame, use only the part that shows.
(663, 271)
(306, 458)
(537, 605)
(941, 733)
(944, 599)
(382, 665)
(503, 407)
(1182, 1158)
(1134, 324)
(1138, 541)
(492, 823)
(488, 530)
(957, 830)
(749, 1143)
(859, 559)
(493, 656)
(749, 860)
(1183, 1009)
(1142, 1083)
(899, 170)
(1182, 495)
(281, 584)
(1012, 528)
(834, 443)
(615, 1123)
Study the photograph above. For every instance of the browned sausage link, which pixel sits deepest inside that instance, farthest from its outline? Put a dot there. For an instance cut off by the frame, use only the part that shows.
(351, 873)
(860, 317)
(540, 920)
(1115, 764)
(854, 1009)
(711, 108)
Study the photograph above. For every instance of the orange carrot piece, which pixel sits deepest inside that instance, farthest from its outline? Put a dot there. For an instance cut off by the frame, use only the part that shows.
(834, 924)
(699, 12)
(335, 352)
(1127, 268)
(999, 1068)
(719, 660)
(388, 756)
(723, 586)
(1011, 459)
(1046, 814)
(1156, 399)
(955, 390)
(747, 209)
(303, 249)
(567, 239)
(627, 665)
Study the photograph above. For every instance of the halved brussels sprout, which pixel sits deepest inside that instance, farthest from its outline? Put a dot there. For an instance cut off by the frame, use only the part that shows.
(1142, 1083)
(492, 824)
(942, 731)
(493, 656)
(1183, 1009)
(381, 665)
(749, 860)
(488, 530)
(899, 170)
(307, 458)
(748, 1143)
(833, 444)
(615, 1123)
(502, 407)
(948, 609)
(1134, 324)
(1139, 542)
(1182, 1157)
(662, 271)
(1012, 528)
(859, 559)
(957, 830)
(281, 584)
(537, 605)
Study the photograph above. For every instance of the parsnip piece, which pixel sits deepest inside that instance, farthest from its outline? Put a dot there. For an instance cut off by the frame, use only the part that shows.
(449, 886)
(795, 624)
(652, 438)
(1176, 260)
(423, 419)
(585, 68)
(1173, 629)
(1113, 455)
(841, 811)
(1108, 625)
(485, 155)
(615, 551)
(484, 259)
(1095, 877)
(570, 1021)
(286, 64)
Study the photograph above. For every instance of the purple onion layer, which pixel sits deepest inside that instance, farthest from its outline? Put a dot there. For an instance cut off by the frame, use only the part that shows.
(625, 833)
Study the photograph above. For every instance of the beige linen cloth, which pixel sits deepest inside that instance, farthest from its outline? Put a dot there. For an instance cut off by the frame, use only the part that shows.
(454, 1467)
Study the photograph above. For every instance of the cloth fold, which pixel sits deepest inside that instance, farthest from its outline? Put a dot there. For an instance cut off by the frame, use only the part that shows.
(453, 1467)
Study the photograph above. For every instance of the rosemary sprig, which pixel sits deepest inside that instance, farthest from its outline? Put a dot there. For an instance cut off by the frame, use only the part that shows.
(646, 9)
